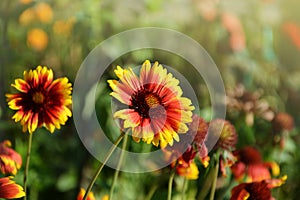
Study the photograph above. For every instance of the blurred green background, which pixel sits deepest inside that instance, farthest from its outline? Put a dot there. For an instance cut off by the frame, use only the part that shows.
(255, 43)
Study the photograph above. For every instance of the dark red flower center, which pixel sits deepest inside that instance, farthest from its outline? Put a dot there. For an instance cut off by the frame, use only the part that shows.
(38, 98)
(142, 101)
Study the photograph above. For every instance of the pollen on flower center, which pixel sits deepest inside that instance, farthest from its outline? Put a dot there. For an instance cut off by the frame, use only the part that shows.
(151, 100)
(38, 98)
(142, 101)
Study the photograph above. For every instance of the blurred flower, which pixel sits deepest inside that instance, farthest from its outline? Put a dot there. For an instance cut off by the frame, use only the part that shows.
(198, 130)
(82, 193)
(293, 31)
(10, 160)
(228, 136)
(250, 163)
(37, 39)
(27, 16)
(43, 12)
(25, 1)
(227, 159)
(63, 27)
(9, 189)
(189, 171)
(283, 122)
(233, 25)
(251, 104)
(256, 190)
(156, 111)
(41, 101)
(207, 9)
(105, 197)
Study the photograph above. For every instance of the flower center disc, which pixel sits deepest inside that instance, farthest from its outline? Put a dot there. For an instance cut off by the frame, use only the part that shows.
(38, 98)
(151, 100)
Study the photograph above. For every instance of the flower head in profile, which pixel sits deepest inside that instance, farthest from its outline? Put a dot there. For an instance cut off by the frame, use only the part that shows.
(41, 100)
(82, 193)
(9, 189)
(227, 137)
(156, 110)
(260, 190)
(10, 160)
(250, 164)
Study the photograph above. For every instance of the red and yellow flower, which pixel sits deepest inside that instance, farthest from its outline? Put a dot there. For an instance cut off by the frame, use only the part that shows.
(156, 111)
(82, 193)
(10, 160)
(41, 101)
(260, 190)
(9, 189)
(250, 164)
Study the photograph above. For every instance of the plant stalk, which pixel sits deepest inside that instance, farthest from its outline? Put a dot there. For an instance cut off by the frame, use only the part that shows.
(27, 165)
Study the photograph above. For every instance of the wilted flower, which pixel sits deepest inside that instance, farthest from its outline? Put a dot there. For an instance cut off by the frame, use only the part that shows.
(41, 101)
(251, 104)
(256, 190)
(228, 136)
(250, 163)
(37, 39)
(9, 189)
(10, 160)
(156, 111)
(283, 122)
(82, 193)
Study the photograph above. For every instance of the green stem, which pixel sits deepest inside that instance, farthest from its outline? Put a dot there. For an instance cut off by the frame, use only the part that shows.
(27, 164)
(111, 150)
(184, 186)
(152, 191)
(215, 177)
(117, 172)
(172, 175)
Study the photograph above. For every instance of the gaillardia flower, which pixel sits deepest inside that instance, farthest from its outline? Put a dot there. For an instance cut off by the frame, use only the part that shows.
(250, 164)
(228, 136)
(10, 160)
(156, 110)
(9, 189)
(82, 193)
(256, 190)
(41, 101)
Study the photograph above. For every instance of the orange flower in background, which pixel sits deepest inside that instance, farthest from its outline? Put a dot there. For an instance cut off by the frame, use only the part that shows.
(25, 1)
(27, 16)
(10, 160)
(189, 171)
(250, 164)
(293, 31)
(9, 189)
(82, 193)
(37, 39)
(237, 36)
(256, 190)
(63, 27)
(156, 111)
(44, 12)
(41, 101)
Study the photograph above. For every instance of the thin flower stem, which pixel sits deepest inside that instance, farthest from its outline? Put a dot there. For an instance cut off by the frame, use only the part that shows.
(215, 177)
(172, 175)
(111, 150)
(151, 191)
(184, 186)
(27, 165)
(117, 172)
